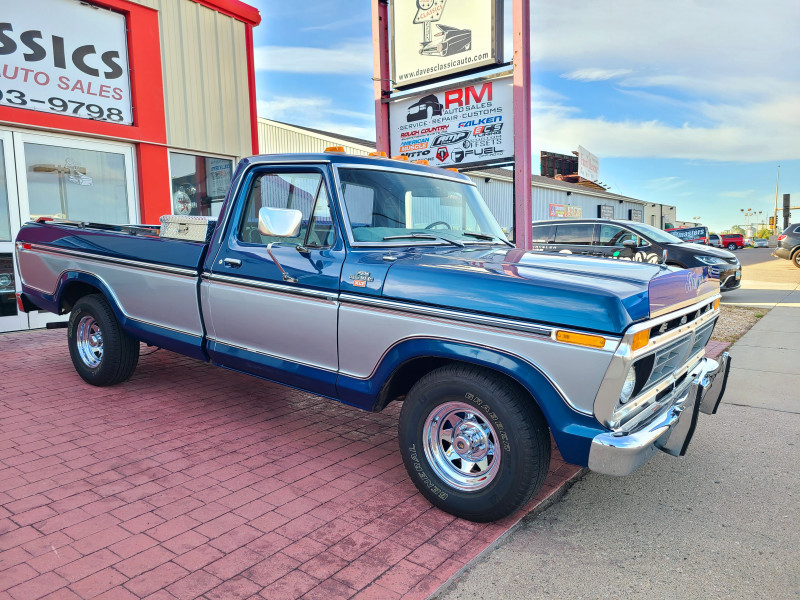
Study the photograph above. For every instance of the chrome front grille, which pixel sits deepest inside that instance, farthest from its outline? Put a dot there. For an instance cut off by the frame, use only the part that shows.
(668, 359)
(701, 337)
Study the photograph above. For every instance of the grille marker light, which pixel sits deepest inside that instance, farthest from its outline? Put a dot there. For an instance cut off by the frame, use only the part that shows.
(581, 339)
(640, 339)
(716, 304)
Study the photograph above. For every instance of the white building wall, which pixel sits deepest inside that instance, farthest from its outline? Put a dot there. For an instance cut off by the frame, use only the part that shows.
(279, 138)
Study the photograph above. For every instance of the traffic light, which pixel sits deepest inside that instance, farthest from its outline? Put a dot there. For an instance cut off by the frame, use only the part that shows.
(772, 222)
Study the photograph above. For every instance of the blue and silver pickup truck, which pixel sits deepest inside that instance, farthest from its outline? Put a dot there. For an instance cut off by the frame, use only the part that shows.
(369, 281)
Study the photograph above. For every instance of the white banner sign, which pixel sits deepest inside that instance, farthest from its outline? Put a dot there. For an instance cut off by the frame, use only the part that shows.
(462, 125)
(65, 57)
(588, 165)
(434, 38)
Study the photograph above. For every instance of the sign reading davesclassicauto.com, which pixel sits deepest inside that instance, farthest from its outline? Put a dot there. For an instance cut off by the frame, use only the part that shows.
(436, 38)
(471, 123)
(65, 57)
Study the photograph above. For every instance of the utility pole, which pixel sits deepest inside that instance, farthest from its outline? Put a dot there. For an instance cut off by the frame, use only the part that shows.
(777, 180)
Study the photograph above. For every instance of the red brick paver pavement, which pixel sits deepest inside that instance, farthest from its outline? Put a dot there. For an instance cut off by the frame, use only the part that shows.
(190, 481)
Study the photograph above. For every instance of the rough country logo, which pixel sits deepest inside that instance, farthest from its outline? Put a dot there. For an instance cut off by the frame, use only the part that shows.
(450, 40)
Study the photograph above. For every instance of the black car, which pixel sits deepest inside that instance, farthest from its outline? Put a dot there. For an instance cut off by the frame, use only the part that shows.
(789, 244)
(628, 240)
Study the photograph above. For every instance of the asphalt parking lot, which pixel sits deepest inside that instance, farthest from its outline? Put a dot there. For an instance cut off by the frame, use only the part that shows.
(191, 481)
(766, 281)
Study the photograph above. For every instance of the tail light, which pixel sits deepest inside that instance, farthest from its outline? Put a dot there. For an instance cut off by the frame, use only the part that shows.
(781, 237)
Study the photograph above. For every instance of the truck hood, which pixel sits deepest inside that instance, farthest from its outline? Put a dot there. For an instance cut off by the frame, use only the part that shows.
(580, 292)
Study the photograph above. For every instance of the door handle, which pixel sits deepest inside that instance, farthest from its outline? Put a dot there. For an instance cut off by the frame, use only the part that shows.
(232, 262)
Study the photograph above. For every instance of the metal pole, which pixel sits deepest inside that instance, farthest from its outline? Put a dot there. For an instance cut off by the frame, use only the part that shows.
(775, 218)
(523, 216)
(380, 61)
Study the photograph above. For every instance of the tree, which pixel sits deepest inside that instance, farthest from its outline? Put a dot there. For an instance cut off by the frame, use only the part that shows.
(737, 229)
(763, 233)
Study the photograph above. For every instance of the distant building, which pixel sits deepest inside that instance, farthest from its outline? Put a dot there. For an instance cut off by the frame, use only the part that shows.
(551, 197)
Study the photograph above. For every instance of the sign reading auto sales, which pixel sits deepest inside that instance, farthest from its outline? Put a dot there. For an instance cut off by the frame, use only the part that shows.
(467, 124)
(65, 57)
(436, 38)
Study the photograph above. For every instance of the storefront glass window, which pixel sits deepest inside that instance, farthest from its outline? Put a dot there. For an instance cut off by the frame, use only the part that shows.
(199, 183)
(71, 183)
(5, 218)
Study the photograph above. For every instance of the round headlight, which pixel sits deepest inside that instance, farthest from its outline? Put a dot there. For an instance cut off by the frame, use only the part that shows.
(628, 386)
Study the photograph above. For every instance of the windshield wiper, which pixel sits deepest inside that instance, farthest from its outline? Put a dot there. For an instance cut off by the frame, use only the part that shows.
(424, 236)
(486, 236)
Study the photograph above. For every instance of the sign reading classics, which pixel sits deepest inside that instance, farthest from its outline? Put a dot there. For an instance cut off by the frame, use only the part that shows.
(65, 57)
(468, 124)
(437, 38)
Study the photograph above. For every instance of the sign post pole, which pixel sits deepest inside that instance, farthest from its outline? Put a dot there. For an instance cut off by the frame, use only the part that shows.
(380, 59)
(523, 215)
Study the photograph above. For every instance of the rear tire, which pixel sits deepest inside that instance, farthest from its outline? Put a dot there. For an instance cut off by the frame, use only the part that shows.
(474, 444)
(732, 246)
(102, 353)
(796, 259)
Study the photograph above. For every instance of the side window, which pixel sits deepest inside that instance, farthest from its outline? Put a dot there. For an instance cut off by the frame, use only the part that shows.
(577, 234)
(300, 191)
(613, 235)
(541, 234)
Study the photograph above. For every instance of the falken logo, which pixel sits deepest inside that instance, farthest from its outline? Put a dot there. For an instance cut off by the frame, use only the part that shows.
(450, 138)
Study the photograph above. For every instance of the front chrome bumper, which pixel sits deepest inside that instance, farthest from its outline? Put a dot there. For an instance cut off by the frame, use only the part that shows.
(670, 430)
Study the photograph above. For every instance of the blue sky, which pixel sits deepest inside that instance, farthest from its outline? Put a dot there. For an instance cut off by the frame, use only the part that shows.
(692, 103)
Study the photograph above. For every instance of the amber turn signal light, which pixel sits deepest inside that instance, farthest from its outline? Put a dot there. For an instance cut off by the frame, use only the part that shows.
(581, 339)
(640, 339)
(716, 304)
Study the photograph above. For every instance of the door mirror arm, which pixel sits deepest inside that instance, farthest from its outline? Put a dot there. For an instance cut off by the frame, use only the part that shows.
(286, 277)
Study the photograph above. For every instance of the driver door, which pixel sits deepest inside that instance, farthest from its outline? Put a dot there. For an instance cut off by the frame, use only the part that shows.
(260, 321)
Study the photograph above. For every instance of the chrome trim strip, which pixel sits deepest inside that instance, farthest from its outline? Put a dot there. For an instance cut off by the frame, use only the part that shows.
(181, 331)
(447, 314)
(271, 287)
(692, 301)
(110, 259)
(260, 353)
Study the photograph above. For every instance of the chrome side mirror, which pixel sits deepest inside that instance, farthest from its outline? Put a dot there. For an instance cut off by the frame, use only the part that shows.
(279, 222)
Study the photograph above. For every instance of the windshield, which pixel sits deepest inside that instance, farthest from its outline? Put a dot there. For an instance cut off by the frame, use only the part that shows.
(382, 205)
(657, 235)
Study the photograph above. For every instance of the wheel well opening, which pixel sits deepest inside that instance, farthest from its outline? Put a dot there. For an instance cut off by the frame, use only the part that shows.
(74, 292)
(407, 374)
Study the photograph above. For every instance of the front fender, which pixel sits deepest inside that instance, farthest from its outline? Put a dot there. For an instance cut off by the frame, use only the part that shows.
(572, 431)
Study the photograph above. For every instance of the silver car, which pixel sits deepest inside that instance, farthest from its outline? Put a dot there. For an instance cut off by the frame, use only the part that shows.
(760, 243)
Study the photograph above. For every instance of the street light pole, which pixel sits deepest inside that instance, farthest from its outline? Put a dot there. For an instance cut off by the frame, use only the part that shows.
(775, 221)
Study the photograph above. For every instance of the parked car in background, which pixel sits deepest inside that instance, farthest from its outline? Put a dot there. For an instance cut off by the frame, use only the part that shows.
(760, 243)
(714, 240)
(695, 235)
(789, 244)
(638, 242)
(732, 241)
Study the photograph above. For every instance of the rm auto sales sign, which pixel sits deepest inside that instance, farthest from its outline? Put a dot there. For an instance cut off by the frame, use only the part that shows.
(65, 57)
(466, 124)
(435, 38)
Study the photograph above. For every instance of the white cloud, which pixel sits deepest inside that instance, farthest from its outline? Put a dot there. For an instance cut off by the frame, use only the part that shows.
(737, 194)
(666, 183)
(349, 58)
(596, 74)
(722, 63)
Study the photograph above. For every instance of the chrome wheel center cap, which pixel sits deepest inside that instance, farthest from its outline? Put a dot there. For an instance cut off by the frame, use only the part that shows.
(470, 441)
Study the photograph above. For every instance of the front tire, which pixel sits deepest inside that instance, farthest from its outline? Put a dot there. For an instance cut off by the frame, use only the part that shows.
(474, 444)
(796, 259)
(102, 353)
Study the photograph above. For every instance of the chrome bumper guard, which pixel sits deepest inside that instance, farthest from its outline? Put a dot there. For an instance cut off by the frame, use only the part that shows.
(671, 430)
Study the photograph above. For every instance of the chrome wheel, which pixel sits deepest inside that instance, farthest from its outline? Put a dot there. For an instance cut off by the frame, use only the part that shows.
(89, 340)
(461, 446)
